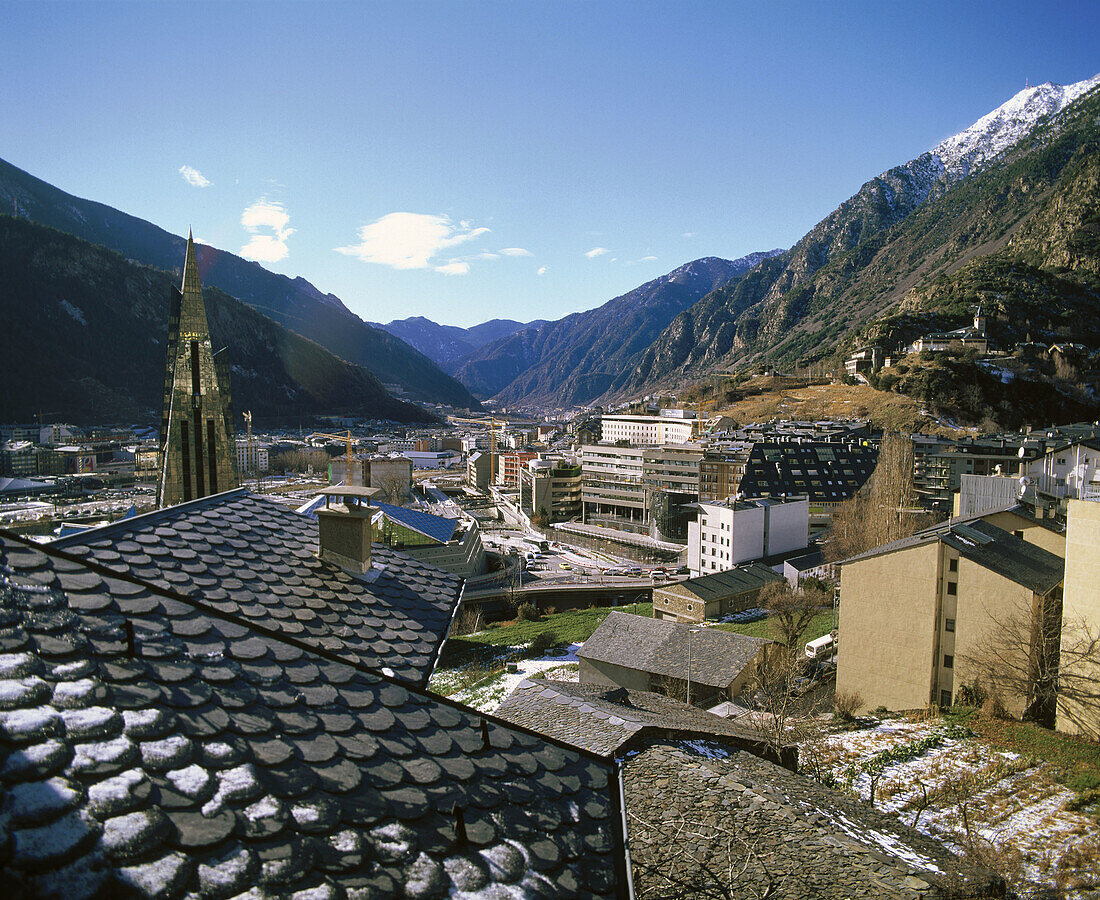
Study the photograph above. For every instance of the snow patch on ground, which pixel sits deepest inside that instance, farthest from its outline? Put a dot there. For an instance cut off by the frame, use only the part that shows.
(557, 665)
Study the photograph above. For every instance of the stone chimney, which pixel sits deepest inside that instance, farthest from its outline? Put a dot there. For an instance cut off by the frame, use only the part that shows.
(344, 528)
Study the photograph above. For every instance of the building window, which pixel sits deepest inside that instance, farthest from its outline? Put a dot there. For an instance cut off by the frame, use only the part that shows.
(1019, 534)
(952, 588)
(949, 625)
(948, 661)
(952, 565)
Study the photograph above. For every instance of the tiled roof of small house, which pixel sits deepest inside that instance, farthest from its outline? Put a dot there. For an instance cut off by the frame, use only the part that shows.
(661, 647)
(610, 720)
(251, 557)
(151, 744)
(715, 824)
(728, 583)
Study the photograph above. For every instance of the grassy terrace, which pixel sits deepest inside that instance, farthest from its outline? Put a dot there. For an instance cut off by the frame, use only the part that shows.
(821, 624)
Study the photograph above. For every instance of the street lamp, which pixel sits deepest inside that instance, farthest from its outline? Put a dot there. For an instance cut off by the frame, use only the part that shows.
(691, 631)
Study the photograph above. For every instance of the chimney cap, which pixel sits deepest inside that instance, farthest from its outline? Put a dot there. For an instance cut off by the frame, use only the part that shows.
(350, 490)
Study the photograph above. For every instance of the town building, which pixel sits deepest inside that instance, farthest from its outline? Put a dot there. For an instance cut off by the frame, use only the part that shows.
(453, 545)
(712, 596)
(1067, 471)
(553, 487)
(511, 464)
(198, 456)
(643, 654)
(252, 459)
(648, 430)
(478, 470)
(730, 532)
(864, 361)
(916, 613)
(1079, 659)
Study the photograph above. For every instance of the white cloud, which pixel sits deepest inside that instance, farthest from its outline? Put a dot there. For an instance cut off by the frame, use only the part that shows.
(486, 255)
(194, 177)
(516, 251)
(454, 267)
(596, 251)
(688, 234)
(264, 214)
(542, 270)
(410, 241)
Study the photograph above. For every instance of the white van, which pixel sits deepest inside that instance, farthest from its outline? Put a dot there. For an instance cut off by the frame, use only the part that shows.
(821, 648)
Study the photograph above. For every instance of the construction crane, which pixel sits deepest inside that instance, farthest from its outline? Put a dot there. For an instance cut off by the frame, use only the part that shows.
(493, 422)
(346, 437)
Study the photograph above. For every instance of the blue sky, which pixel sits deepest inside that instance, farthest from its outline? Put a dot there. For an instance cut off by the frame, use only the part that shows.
(468, 161)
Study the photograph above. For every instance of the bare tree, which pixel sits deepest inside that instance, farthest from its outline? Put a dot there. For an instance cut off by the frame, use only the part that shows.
(885, 509)
(395, 488)
(790, 611)
(1033, 661)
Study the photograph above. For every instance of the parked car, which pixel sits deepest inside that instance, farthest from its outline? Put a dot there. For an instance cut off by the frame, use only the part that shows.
(683, 570)
(634, 571)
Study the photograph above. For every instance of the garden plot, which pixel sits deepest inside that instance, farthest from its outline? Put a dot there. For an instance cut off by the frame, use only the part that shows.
(484, 690)
(953, 786)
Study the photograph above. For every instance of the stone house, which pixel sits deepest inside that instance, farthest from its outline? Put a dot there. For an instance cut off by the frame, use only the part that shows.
(711, 596)
(643, 654)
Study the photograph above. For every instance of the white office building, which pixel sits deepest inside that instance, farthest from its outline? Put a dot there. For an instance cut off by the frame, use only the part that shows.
(731, 532)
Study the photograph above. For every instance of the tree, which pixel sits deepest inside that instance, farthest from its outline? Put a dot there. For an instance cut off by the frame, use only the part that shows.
(790, 611)
(885, 509)
(1033, 661)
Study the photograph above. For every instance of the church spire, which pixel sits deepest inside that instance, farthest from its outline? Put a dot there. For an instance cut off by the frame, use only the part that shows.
(198, 453)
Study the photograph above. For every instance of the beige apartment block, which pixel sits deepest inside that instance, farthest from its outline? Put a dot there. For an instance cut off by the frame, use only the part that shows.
(917, 614)
(1079, 703)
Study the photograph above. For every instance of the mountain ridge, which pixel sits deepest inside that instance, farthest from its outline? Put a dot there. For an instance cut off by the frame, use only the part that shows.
(293, 302)
(447, 345)
(104, 319)
(573, 360)
(798, 306)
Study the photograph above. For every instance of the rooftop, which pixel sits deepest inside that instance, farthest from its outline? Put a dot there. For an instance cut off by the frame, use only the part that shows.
(252, 557)
(661, 648)
(154, 744)
(727, 583)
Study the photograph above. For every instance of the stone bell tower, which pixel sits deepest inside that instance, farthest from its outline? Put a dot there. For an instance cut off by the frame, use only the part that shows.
(197, 453)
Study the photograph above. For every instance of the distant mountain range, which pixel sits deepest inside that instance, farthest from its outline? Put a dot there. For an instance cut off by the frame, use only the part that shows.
(84, 334)
(292, 302)
(447, 344)
(578, 358)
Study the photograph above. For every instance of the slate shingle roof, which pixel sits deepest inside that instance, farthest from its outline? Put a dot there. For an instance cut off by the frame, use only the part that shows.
(251, 557)
(661, 648)
(728, 583)
(148, 744)
(740, 827)
(611, 720)
(992, 548)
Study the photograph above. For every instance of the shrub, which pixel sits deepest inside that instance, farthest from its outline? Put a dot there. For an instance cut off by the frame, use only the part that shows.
(972, 694)
(543, 642)
(846, 704)
(527, 613)
(993, 708)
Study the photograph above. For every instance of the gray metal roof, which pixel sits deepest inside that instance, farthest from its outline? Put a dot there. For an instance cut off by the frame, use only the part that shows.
(152, 745)
(610, 720)
(255, 558)
(661, 647)
(729, 583)
(992, 548)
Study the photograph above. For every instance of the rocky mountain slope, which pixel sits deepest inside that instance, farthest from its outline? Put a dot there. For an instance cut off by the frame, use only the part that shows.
(964, 199)
(446, 345)
(577, 358)
(293, 302)
(84, 340)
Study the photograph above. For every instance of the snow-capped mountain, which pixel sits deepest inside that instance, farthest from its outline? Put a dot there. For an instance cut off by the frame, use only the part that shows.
(992, 134)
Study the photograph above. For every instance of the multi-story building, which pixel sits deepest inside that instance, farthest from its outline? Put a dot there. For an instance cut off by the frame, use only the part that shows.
(479, 470)
(1068, 471)
(721, 470)
(916, 613)
(1079, 669)
(511, 464)
(730, 532)
(647, 430)
(553, 486)
(612, 487)
(251, 459)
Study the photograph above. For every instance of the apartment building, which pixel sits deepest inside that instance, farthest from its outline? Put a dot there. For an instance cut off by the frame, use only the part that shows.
(553, 485)
(1078, 707)
(915, 613)
(730, 532)
(252, 459)
(1068, 471)
(647, 430)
